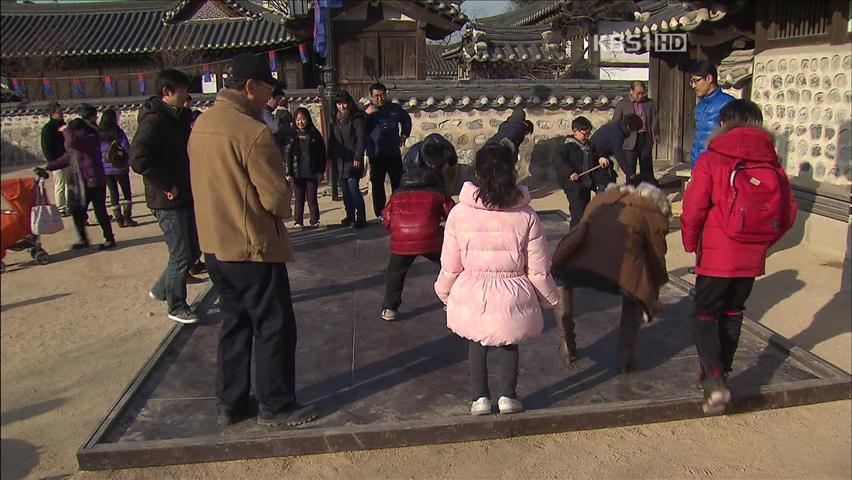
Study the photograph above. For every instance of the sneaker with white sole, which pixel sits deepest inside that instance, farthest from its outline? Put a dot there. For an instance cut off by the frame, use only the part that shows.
(388, 315)
(482, 406)
(509, 405)
(184, 316)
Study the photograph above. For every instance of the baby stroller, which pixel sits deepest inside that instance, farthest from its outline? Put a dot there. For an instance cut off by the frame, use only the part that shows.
(15, 231)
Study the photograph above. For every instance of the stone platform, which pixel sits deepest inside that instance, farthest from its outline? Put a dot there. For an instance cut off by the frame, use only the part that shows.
(384, 384)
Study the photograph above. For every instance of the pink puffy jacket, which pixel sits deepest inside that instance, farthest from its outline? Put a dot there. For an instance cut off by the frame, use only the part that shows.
(495, 271)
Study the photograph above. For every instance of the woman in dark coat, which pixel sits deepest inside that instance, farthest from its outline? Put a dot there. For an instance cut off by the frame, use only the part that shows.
(347, 150)
(113, 139)
(305, 156)
(83, 155)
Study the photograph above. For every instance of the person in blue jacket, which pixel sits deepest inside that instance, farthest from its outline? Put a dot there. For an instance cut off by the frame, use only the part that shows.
(704, 81)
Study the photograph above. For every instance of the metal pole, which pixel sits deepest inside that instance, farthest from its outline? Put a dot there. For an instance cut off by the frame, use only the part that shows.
(330, 80)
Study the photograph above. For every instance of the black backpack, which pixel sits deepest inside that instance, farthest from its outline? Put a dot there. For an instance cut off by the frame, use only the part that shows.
(116, 155)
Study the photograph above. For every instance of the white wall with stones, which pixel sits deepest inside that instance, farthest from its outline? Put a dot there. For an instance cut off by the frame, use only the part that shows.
(467, 129)
(805, 96)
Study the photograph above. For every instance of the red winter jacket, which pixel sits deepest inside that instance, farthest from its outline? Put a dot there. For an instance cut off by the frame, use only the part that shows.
(413, 219)
(716, 254)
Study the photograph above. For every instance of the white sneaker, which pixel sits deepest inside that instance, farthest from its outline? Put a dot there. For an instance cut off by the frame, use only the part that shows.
(482, 406)
(388, 315)
(297, 226)
(509, 405)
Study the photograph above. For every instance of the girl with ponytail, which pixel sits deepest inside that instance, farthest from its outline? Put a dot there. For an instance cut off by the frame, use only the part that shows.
(495, 274)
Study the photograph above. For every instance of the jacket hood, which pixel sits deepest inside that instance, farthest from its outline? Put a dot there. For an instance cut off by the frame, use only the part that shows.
(469, 191)
(644, 195)
(154, 106)
(744, 141)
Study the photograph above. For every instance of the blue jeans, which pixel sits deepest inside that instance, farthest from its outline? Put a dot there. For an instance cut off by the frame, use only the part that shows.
(181, 236)
(353, 200)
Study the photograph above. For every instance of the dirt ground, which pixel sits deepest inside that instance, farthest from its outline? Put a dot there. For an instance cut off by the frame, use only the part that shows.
(74, 333)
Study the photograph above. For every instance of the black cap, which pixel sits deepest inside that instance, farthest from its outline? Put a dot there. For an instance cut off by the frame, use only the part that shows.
(249, 66)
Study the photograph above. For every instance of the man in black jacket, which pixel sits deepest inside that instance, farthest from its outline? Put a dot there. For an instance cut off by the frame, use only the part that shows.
(608, 141)
(388, 126)
(53, 146)
(159, 154)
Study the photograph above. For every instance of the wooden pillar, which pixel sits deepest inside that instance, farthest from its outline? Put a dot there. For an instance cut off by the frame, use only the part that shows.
(420, 69)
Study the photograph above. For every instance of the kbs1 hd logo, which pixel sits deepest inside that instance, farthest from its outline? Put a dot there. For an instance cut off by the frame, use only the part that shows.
(660, 42)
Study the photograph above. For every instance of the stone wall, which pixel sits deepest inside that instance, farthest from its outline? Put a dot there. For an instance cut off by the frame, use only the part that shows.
(467, 129)
(21, 136)
(806, 100)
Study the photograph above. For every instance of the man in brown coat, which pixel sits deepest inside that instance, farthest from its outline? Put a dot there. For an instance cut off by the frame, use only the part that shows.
(241, 201)
(638, 145)
(618, 247)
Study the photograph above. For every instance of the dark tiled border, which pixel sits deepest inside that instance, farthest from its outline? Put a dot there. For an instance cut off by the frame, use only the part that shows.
(832, 384)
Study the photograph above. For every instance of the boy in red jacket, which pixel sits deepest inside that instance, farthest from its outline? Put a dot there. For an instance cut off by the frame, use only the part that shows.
(413, 217)
(729, 237)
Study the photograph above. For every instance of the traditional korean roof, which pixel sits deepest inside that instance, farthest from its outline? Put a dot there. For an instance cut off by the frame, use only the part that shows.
(121, 28)
(736, 69)
(418, 94)
(530, 14)
(527, 33)
(485, 94)
(533, 43)
(448, 9)
(438, 67)
(670, 17)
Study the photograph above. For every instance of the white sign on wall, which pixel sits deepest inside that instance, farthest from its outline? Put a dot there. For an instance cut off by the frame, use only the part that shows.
(208, 83)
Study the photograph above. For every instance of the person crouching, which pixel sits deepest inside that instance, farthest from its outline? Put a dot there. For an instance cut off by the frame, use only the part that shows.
(619, 247)
(413, 217)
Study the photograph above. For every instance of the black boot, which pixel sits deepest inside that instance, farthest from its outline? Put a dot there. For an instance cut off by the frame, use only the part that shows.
(565, 324)
(127, 213)
(119, 219)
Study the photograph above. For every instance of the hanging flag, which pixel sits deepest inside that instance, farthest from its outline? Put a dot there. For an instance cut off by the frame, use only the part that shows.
(48, 90)
(320, 40)
(319, 30)
(77, 87)
(205, 72)
(17, 87)
(108, 88)
(273, 63)
(140, 82)
(304, 52)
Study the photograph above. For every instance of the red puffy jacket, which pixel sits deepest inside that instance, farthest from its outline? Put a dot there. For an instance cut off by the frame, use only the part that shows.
(413, 219)
(702, 230)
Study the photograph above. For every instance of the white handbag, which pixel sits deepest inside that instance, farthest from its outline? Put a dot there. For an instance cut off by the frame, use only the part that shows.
(45, 218)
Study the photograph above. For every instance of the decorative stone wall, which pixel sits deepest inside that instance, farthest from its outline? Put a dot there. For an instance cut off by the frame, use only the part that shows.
(467, 129)
(806, 101)
(21, 136)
